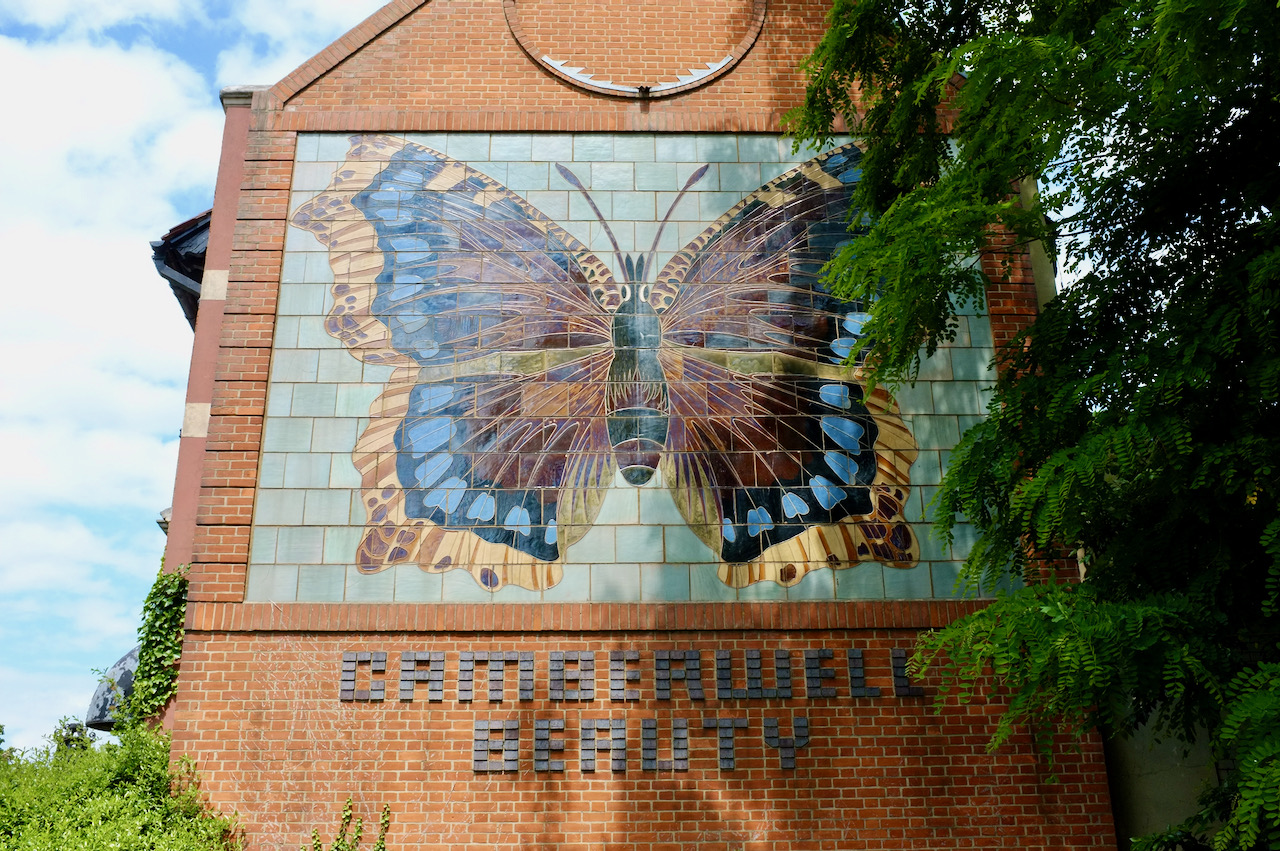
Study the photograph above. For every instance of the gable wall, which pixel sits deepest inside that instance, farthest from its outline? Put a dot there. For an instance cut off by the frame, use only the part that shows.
(280, 735)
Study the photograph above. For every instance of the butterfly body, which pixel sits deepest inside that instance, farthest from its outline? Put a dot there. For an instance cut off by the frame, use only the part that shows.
(534, 373)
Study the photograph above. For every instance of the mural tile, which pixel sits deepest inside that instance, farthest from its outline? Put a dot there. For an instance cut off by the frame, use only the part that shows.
(468, 147)
(458, 586)
(331, 147)
(964, 537)
(435, 141)
(643, 543)
(716, 148)
(554, 205)
(338, 367)
(946, 579)
(764, 591)
(526, 177)
(580, 208)
(682, 545)
(307, 148)
(634, 147)
(916, 398)
(342, 473)
(553, 147)
(334, 435)
(744, 177)
(675, 148)
(973, 365)
(285, 335)
(592, 147)
(321, 583)
(937, 367)
(293, 268)
(710, 181)
(636, 206)
(926, 470)
(340, 542)
(704, 580)
(665, 583)
(980, 332)
(319, 271)
(294, 365)
(763, 149)
(511, 147)
(311, 175)
(712, 205)
(354, 399)
(262, 545)
(300, 545)
(306, 470)
(272, 582)
(325, 507)
(597, 546)
(615, 582)
(657, 176)
(286, 434)
(271, 470)
(311, 333)
(279, 400)
(516, 594)
(414, 585)
(369, 587)
(621, 507)
(814, 585)
(936, 432)
(861, 582)
(493, 171)
(769, 171)
(915, 583)
(613, 177)
(932, 548)
(314, 400)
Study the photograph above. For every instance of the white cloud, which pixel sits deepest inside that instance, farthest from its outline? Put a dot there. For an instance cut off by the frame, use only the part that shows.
(278, 37)
(78, 16)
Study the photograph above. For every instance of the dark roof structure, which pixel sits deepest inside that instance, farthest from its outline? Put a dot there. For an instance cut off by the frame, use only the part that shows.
(179, 258)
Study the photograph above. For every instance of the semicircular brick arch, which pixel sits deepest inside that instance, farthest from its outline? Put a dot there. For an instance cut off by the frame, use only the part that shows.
(699, 72)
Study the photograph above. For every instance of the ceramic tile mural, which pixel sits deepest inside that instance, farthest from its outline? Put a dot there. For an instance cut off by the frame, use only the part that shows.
(525, 367)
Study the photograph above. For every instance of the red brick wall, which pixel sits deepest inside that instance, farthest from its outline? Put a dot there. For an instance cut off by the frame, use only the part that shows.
(276, 743)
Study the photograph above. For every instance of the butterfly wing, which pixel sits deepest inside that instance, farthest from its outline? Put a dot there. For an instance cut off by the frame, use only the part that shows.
(776, 458)
(488, 450)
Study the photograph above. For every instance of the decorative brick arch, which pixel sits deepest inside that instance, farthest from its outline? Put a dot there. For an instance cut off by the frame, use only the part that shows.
(582, 78)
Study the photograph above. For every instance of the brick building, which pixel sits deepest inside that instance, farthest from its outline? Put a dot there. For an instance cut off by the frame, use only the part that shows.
(522, 483)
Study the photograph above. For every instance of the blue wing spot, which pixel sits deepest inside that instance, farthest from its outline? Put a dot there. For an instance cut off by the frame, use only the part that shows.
(551, 532)
(842, 346)
(853, 322)
(519, 521)
(836, 395)
(484, 508)
(758, 520)
(826, 492)
(793, 505)
(448, 496)
(730, 533)
(843, 466)
(430, 470)
(488, 578)
(846, 433)
(426, 435)
(437, 396)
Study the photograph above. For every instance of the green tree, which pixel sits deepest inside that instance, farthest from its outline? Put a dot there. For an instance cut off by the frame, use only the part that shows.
(1136, 425)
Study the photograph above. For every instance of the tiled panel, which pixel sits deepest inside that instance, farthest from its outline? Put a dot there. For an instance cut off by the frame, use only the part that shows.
(385, 394)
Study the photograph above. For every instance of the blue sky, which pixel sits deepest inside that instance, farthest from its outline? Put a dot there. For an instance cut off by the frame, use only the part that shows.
(118, 141)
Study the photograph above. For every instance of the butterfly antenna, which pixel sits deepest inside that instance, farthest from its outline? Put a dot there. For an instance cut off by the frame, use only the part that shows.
(573, 181)
(693, 178)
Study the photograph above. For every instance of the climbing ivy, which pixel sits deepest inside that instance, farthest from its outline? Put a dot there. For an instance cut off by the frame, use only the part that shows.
(341, 841)
(163, 616)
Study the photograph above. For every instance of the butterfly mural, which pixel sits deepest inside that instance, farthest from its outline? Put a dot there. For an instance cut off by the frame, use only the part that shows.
(530, 377)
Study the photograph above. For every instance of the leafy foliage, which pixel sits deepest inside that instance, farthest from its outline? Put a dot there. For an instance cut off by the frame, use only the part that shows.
(121, 796)
(163, 615)
(341, 841)
(1136, 424)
